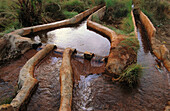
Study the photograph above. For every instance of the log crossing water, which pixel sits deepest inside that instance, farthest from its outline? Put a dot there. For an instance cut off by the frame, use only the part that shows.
(97, 92)
(78, 37)
(93, 89)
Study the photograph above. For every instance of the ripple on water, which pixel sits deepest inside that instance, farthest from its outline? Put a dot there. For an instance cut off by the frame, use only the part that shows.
(100, 93)
(47, 95)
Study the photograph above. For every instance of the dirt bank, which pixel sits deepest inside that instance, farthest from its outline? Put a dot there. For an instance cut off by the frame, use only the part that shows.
(9, 73)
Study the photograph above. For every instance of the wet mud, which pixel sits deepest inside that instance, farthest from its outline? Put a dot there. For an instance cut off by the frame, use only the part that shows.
(9, 73)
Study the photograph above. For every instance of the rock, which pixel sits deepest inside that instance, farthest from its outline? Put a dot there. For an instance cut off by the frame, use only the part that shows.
(88, 55)
(167, 64)
(13, 46)
(114, 66)
(6, 107)
(164, 52)
(157, 53)
(119, 58)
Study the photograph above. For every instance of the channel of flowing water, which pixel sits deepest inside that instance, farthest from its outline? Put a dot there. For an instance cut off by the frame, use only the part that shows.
(93, 89)
(96, 92)
(47, 95)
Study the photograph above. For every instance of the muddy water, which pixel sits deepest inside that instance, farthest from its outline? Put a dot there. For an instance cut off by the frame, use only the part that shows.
(82, 67)
(47, 95)
(9, 76)
(78, 37)
(96, 92)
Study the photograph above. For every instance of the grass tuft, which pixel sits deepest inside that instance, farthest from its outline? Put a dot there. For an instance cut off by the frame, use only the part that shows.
(131, 75)
(69, 14)
(131, 43)
(127, 24)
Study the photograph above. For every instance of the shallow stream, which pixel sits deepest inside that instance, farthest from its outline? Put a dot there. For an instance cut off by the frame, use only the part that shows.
(78, 37)
(96, 92)
(93, 89)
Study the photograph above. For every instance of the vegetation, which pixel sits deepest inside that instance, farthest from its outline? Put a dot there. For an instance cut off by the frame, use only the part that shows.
(74, 5)
(130, 76)
(23, 13)
(7, 101)
(118, 14)
(127, 24)
(29, 12)
(158, 11)
(69, 14)
(131, 43)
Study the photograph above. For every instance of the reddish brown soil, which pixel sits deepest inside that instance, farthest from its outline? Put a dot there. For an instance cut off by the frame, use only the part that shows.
(9, 73)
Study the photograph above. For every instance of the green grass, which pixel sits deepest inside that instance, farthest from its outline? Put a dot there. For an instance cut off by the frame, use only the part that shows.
(127, 24)
(131, 43)
(96, 19)
(118, 31)
(7, 16)
(119, 12)
(68, 14)
(118, 8)
(39, 12)
(73, 5)
(131, 75)
(156, 10)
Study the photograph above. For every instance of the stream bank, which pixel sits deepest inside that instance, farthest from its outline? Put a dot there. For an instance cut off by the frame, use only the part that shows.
(94, 89)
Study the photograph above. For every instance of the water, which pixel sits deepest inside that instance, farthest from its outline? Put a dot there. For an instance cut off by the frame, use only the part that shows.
(9, 73)
(77, 37)
(99, 93)
(47, 95)
(93, 89)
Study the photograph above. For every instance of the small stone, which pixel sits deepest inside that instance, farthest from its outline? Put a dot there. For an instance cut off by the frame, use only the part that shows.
(88, 55)
(164, 52)
(6, 107)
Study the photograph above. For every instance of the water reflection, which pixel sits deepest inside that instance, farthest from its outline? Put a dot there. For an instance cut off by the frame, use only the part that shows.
(77, 37)
(99, 93)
